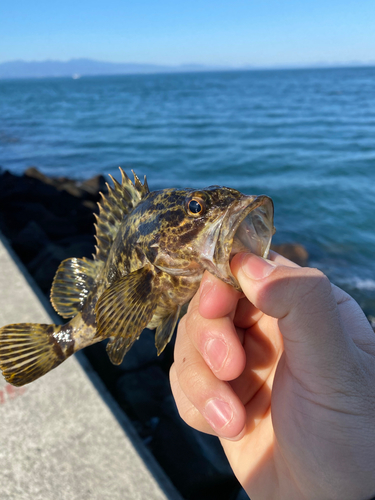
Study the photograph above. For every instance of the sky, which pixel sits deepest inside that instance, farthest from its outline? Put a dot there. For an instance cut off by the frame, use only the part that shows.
(214, 32)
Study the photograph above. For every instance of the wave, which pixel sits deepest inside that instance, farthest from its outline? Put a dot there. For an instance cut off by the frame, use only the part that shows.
(363, 284)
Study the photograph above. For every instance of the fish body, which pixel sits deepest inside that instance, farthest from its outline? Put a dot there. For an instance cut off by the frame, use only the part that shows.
(152, 249)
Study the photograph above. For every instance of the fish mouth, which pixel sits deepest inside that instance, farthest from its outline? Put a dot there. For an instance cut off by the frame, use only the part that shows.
(247, 227)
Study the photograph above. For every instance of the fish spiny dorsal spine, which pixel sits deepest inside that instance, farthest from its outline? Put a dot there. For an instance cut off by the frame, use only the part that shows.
(119, 201)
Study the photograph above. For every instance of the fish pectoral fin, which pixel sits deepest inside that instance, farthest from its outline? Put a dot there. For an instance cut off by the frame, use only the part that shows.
(125, 309)
(165, 330)
(72, 283)
(28, 351)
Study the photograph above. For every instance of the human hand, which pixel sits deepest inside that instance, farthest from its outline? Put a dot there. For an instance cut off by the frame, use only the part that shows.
(285, 377)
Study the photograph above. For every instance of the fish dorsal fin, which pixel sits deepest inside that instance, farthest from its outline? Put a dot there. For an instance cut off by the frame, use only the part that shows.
(72, 283)
(125, 309)
(119, 201)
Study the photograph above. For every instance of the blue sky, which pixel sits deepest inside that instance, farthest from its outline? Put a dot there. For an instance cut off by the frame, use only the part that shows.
(231, 32)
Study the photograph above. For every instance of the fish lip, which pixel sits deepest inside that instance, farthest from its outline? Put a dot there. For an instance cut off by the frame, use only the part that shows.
(235, 216)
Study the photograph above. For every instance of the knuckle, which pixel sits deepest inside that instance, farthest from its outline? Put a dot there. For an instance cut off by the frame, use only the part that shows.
(189, 374)
(316, 283)
(318, 275)
(189, 415)
(192, 417)
(193, 318)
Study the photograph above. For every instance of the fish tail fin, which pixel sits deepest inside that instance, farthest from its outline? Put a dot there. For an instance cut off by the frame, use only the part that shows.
(29, 350)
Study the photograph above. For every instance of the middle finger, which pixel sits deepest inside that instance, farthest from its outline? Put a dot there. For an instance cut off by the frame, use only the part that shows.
(214, 399)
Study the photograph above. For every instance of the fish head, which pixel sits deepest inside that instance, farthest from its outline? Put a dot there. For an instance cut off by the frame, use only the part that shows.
(203, 229)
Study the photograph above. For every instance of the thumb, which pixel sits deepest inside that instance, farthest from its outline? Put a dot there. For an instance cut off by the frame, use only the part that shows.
(303, 301)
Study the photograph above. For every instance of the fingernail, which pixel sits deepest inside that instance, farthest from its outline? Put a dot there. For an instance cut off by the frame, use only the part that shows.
(218, 413)
(256, 268)
(205, 288)
(216, 351)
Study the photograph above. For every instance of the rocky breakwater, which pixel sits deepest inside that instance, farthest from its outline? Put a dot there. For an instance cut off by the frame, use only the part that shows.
(47, 220)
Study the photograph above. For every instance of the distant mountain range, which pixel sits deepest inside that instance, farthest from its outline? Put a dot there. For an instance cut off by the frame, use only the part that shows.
(88, 67)
(75, 68)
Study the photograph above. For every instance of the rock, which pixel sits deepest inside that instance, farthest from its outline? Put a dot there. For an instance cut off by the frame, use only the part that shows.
(45, 223)
(293, 251)
(44, 266)
(88, 189)
(90, 205)
(31, 240)
(36, 174)
(60, 183)
(58, 213)
(94, 185)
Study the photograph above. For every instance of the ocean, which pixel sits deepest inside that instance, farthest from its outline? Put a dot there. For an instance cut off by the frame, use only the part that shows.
(304, 137)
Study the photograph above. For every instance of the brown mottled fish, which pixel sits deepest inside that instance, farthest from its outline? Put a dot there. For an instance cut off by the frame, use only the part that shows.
(152, 249)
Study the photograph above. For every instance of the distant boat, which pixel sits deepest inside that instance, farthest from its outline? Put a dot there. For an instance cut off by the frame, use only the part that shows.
(76, 76)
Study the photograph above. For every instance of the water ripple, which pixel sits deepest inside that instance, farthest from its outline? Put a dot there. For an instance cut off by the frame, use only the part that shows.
(305, 137)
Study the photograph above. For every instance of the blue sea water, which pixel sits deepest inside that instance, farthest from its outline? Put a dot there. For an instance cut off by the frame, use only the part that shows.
(304, 137)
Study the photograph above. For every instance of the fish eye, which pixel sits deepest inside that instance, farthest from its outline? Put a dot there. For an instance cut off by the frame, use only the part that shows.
(196, 206)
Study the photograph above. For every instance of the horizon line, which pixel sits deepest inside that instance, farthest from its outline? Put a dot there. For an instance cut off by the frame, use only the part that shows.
(34, 69)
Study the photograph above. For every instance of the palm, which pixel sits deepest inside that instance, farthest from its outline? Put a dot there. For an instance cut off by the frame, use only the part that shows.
(302, 404)
(264, 456)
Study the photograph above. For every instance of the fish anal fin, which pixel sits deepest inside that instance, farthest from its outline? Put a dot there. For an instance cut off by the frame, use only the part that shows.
(30, 350)
(74, 280)
(125, 309)
(165, 330)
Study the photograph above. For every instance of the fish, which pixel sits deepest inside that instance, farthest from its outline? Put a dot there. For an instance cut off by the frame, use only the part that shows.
(152, 248)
